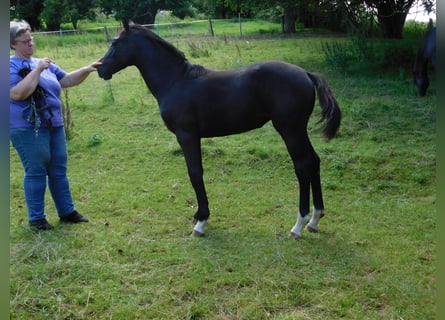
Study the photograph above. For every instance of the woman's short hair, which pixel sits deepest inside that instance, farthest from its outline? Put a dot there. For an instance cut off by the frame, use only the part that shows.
(16, 29)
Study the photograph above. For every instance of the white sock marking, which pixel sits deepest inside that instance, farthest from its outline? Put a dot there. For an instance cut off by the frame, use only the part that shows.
(313, 224)
(199, 226)
(299, 226)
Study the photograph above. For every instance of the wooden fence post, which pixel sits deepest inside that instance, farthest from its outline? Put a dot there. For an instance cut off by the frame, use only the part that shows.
(211, 27)
(107, 35)
(66, 112)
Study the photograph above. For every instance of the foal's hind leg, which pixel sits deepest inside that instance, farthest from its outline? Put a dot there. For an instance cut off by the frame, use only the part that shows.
(307, 166)
(317, 196)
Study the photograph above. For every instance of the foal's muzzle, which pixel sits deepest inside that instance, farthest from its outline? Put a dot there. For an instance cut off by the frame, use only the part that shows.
(102, 72)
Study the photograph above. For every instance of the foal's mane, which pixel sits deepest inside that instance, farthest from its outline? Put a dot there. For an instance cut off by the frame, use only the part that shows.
(193, 70)
(151, 36)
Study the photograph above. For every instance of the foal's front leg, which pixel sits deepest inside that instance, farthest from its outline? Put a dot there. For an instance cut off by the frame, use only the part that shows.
(191, 146)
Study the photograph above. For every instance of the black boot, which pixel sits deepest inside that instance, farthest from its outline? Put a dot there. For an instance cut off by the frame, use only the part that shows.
(74, 217)
(40, 224)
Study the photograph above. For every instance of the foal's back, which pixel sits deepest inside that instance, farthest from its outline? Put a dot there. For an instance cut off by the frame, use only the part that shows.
(234, 101)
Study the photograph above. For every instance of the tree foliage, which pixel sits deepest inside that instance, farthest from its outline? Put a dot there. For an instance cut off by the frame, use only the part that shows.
(79, 9)
(388, 17)
(50, 14)
(28, 10)
(368, 17)
(141, 11)
(391, 15)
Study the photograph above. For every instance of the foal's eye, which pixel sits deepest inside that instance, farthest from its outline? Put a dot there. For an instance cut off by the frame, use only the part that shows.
(118, 41)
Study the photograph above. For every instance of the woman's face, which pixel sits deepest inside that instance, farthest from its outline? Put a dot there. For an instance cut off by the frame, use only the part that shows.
(24, 45)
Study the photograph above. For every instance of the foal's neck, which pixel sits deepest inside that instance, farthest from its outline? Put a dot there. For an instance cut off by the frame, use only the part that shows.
(161, 71)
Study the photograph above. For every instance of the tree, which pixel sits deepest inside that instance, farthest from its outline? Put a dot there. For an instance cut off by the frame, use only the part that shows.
(390, 15)
(365, 16)
(218, 8)
(140, 11)
(289, 11)
(52, 14)
(74, 10)
(28, 10)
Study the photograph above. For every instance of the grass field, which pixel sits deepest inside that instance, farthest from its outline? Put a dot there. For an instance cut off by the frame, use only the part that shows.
(374, 257)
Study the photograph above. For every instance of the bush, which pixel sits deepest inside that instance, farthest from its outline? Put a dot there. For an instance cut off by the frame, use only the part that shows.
(366, 55)
(197, 50)
(337, 54)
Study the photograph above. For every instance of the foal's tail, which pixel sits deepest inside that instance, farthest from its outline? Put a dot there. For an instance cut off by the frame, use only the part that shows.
(330, 111)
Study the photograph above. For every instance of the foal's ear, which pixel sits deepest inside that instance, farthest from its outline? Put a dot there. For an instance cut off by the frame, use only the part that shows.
(126, 23)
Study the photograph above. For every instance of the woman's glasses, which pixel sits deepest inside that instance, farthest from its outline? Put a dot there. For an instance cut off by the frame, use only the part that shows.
(25, 41)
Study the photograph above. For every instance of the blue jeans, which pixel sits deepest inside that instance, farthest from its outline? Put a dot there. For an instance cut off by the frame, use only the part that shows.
(44, 158)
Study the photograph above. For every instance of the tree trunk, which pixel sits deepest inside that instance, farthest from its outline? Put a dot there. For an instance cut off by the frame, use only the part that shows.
(391, 16)
(53, 26)
(392, 26)
(149, 17)
(146, 19)
(74, 22)
(289, 21)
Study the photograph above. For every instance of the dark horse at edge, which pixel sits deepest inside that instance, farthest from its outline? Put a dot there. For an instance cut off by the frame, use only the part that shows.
(196, 102)
(425, 55)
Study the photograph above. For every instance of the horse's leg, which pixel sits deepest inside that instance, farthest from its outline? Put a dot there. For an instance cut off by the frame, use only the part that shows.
(301, 152)
(317, 196)
(303, 214)
(191, 146)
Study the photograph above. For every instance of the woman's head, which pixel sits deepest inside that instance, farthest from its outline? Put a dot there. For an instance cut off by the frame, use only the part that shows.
(20, 38)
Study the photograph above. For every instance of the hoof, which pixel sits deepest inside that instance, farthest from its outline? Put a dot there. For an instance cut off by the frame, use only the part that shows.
(197, 234)
(294, 236)
(310, 229)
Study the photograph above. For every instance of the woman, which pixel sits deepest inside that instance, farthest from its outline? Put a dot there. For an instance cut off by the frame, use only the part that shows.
(36, 126)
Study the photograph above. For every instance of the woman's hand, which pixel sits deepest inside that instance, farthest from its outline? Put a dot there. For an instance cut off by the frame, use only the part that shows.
(93, 67)
(75, 77)
(43, 64)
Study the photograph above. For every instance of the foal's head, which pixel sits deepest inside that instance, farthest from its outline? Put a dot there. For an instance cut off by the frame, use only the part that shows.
(124, 50)
(118, 56)
(127, 48)
(420, 78)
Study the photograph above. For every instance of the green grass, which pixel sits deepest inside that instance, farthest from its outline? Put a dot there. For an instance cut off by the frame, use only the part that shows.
(374, 257)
